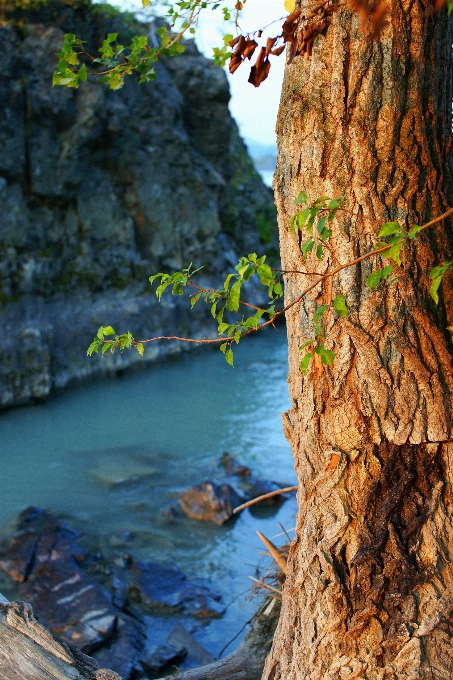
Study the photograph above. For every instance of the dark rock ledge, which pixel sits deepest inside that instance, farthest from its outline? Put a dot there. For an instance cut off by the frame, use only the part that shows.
(104, 618)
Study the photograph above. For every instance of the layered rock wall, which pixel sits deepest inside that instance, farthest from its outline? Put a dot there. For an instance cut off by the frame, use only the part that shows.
(100, 189)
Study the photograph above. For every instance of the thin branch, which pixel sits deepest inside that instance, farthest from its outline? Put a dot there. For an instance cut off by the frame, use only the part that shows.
(264, 497)
(264, 585)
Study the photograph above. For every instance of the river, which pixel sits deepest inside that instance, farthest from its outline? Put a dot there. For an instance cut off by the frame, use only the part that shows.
(112, 455)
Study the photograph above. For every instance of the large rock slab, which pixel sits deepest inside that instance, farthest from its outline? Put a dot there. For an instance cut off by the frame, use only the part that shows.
(71, 604)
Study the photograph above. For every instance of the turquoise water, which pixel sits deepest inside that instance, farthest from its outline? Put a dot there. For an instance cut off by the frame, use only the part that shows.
(111, 456)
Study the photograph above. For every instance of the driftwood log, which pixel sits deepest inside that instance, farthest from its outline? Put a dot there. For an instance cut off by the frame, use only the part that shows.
(29, 652)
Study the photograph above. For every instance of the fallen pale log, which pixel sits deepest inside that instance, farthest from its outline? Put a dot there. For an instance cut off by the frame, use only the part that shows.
(247, 662)
(29, 652)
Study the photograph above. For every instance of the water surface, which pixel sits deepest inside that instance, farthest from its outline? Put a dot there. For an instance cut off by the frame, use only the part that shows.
(111, 456)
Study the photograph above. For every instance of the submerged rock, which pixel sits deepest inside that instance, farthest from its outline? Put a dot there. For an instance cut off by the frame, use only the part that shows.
(159, 658)
(180, 637)
(233, 467)
(157, 588)
(260, 487)
(210, 501)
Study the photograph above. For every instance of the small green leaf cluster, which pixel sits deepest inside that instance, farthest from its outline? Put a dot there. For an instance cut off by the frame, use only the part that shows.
(119, 60)
(222, 54)
(121, 342)
(178, 280)
(313, 222)
(228, 298)
(395, 240)
(316, 343)
(69, 70)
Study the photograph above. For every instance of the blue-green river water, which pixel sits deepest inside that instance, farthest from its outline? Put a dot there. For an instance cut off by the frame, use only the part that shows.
(112, 455)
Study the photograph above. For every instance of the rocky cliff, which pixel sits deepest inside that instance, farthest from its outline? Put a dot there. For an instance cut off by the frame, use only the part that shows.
(100, 189)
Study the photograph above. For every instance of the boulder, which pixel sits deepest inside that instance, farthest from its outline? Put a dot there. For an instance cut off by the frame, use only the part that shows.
(210, 502)
(161, 589)
(233, 467)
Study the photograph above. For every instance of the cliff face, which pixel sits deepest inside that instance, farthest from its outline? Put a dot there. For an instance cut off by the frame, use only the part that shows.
(100, 189)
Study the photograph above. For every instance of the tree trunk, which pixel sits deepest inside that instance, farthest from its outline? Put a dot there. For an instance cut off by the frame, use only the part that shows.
(369, 591)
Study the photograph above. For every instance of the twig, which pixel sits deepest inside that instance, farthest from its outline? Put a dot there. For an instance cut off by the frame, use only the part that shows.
(285, 532)
(274, 552)
(258, 499)
(264, 585)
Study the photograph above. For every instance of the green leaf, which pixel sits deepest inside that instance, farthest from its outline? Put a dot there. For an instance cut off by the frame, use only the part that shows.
(278, 290)
(229, 357)
(301, 217)
(222, 327)
(327, 356)
(265, 274)
(140, 348)
(307, 247)
(413, 231)
(237, 336)
(440, 270)
(226, 285)
(306, 344)
(304, 364)
(326, 233)
(107, 345)
(319, 312)
(83, 73)
(385, 273)
(194, 299)
(108, 330)
(339, 305)
(156, 276)
(301, 198)
(436, 275)
(233, 301)
(223, 347)
(100, 333)
(434, 288)
(214, 309)
(389, 228)
(322, 224)
(374, 279)
(94, 347)
(319, 252)
(318, 330)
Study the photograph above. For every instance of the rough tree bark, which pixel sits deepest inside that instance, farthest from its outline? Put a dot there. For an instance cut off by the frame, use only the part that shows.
(369, 591)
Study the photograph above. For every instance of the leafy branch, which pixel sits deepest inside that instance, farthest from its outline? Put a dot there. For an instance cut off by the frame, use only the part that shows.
(311, 221)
